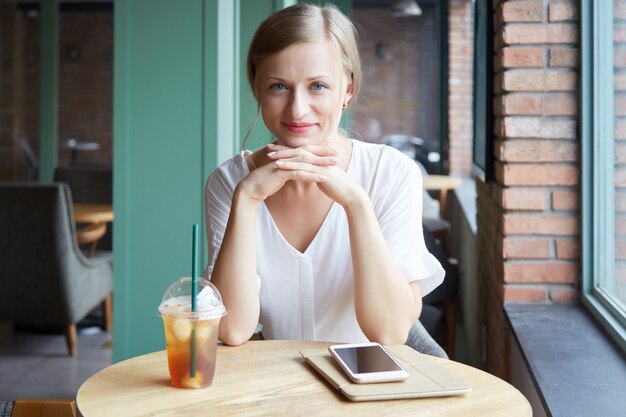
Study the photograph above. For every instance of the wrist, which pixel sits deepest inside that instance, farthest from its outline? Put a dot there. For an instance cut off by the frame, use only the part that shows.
(358, 202)
(243, 195)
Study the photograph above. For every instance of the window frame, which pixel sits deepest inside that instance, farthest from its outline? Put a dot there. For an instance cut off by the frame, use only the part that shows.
(598, 194)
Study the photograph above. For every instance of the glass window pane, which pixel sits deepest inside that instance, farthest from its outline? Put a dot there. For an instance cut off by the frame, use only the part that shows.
(615, 286)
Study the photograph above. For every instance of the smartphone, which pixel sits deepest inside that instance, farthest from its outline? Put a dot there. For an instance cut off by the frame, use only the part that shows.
(367, 363)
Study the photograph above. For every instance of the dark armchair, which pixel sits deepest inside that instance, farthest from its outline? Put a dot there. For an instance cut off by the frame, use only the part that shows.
(44, 277)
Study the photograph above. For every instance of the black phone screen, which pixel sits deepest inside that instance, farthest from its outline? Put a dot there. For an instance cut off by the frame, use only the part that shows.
(365, 359)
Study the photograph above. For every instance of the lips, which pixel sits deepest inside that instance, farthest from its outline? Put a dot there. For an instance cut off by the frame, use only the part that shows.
(298, 127)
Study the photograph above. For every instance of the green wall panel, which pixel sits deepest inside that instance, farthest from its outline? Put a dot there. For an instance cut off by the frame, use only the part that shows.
(48, 89)
(158, 160)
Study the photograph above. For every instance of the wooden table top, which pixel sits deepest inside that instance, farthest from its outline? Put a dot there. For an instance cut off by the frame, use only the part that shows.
(93, 213)
(270, 378)
(441, 182)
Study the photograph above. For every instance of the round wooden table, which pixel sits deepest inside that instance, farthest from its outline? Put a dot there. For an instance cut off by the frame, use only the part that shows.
(271, 378)
(97, 216)
(93, 213)
(441, 183)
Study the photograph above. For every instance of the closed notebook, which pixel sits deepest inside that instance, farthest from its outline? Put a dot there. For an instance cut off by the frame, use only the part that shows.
(426, 378)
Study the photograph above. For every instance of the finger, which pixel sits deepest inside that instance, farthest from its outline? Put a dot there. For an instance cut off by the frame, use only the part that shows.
(323, 148)
(290, 156)
(295, 165)
(306, 176)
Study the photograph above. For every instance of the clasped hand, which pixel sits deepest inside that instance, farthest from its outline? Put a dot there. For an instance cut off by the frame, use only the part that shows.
(309, 163)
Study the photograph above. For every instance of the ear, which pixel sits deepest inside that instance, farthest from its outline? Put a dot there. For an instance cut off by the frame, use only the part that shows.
(349, 94)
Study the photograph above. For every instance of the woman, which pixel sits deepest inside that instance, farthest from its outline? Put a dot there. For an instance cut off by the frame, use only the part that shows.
(316, 236)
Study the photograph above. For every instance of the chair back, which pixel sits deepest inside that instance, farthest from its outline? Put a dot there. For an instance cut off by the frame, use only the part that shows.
(90, 185)
(37, 251)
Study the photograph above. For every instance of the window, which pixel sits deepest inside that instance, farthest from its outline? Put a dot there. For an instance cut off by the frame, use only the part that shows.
(604, 163)
(483, 90)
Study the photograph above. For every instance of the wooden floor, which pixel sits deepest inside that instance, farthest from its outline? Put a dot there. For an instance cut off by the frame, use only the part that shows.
(34, 363)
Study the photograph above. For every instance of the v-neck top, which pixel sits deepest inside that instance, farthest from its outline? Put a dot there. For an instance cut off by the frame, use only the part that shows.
(310, 295)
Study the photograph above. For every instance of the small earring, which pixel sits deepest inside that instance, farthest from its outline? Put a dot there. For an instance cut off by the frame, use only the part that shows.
(343, 107)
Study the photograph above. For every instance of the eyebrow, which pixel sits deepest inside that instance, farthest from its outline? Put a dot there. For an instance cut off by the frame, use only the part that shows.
(318, 77)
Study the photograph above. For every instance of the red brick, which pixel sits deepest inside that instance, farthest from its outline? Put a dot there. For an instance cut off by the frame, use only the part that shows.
(527, 174)
(567, 249)
(619, 32)
(538, 127)
(562, 11)
(529, 248)
(620, 249)
(620, 105)
(620, 129)
(522, 57)
(521, 104)
(518, 198)
(620, 177)
(524, 293)
(562, 294)
(619, 82)
(539, 80)
(522, 11)
(527, 224)
(620, 153)
(619, 10)
(540, 272)
(538, 151)
(561, 104)
(620, 226)
(565, 200)
(563, 57)
(540, 34)
(620, 202)
(619, 57)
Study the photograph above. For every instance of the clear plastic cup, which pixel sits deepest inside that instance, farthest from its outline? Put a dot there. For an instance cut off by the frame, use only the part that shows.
(191, 337)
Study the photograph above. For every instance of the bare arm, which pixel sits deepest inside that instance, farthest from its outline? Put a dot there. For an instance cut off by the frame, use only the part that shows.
(234, 273)
(386, 304)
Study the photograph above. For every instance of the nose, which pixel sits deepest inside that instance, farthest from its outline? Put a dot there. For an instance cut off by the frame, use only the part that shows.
(298, 104)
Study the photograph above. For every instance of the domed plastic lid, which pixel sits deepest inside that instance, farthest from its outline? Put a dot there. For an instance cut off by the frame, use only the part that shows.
(176, 301)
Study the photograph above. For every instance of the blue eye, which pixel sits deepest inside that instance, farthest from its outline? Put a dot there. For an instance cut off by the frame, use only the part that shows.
(277, 87)
(318, 86)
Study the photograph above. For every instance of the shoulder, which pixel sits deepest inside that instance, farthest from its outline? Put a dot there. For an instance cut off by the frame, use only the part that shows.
(227, 175)
(385, 161)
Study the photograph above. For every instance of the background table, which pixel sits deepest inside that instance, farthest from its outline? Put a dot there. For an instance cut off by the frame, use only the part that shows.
(270, 378)
(97, 216)
(441, 183)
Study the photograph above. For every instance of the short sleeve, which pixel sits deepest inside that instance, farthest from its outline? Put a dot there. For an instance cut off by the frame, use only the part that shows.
(218, 199)
(219, 190)
(398, 205)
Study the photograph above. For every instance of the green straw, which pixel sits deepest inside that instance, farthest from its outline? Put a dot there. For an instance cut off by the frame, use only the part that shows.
(194, 295)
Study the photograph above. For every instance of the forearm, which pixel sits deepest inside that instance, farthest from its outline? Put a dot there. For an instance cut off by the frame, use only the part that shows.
(235, 273)
(386, 305)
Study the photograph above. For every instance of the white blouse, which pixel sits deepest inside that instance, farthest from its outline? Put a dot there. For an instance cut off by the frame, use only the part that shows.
(310, 295)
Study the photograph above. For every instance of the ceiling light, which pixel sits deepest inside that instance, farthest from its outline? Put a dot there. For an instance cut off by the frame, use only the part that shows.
(405, 8)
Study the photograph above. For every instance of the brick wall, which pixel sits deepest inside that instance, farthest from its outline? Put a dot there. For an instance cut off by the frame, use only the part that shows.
(85, 85)
(400, 94)
(528, 217)
(460, 88)
(11, 93)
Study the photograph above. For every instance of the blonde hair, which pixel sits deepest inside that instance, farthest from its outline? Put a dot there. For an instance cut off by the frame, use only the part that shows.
(306, 23)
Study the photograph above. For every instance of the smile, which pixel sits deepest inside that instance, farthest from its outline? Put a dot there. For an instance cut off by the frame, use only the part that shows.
(298, 127)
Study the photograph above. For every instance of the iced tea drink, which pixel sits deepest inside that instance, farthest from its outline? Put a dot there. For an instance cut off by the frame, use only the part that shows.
(191, 337)
(178, 332)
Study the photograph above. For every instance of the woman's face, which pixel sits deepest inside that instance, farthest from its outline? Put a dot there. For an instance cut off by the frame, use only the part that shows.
(302, 90)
